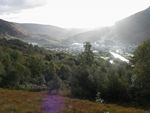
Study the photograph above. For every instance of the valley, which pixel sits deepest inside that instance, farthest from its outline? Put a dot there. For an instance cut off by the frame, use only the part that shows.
(50, 69)
(113, 37)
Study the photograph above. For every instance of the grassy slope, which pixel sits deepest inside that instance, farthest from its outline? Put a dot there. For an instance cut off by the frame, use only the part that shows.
(34, 102)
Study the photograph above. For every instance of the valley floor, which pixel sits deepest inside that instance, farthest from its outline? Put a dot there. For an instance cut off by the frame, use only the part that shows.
(13, 101)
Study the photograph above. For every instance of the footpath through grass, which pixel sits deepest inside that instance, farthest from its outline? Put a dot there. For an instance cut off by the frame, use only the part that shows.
(12, 101)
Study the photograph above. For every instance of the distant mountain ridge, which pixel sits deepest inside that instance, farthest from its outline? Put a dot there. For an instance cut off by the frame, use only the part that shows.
(131, 30)
(44, 35)
(49, 30)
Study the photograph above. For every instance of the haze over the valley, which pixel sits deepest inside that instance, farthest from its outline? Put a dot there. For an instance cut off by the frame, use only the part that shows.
(59, 25)
(70, 13)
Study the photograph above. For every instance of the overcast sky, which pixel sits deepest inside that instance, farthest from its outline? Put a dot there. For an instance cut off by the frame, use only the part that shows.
(70, 13)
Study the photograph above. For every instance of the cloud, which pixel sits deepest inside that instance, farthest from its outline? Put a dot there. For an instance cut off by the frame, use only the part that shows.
(11, 6)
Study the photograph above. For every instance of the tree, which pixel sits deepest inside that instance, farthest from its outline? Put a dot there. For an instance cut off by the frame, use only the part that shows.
(64, 72)
(141, 71)
(36, 65)
(82, 86)
(116, 89)
(52, 80)
(16, 56)
(2, 72)
(87, 57)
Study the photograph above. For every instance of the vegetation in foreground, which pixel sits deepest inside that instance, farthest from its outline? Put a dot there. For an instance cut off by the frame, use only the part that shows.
(27, 67)
(14, 101)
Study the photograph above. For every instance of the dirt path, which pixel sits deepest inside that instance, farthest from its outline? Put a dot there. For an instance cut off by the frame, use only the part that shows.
(53, 104)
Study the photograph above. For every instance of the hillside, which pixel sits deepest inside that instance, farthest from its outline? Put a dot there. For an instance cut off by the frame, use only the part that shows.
(44, 35)
(40, 34)
(47, 35)
(10, 30)
(53, 37)
(42, 102)
(131, 30)
(134, 29)
(52, 31)
(91, 36)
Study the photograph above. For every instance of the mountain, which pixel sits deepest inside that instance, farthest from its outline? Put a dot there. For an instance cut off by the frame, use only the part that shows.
(48, 30)
(131, 30)
(91, 36)
(10, 30)
(134, 29)
(44, 35)
(48, 35)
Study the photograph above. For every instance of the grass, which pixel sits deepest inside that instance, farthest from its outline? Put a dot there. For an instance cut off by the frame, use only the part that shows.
(20, 101)
(13, 101)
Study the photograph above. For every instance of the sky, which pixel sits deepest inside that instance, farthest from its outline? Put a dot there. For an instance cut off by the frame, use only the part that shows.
(70, 13)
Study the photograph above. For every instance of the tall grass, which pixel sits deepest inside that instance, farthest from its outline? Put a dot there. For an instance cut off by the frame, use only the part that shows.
(14, 101)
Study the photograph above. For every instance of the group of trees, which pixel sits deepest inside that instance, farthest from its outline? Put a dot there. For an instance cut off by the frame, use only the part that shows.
(95, 75)
(141, 73)
(119, 82)
(24, 66)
